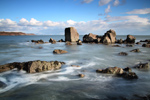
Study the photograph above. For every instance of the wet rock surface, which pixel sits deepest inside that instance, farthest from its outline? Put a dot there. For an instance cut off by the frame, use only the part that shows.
(52, 41)
(135, 50)
(59, 51)
(123, 53)
(142, 66)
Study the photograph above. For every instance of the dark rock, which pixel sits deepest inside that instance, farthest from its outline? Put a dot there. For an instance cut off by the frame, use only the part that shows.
(135, 50)
(109, 37)
(38, 41)
(138, 43)
(123, 53)
(127, 69)
(2, 84)
(71, 34)
(129, 45)
(130, 75)
(52, 41)
(130, 39)
(61, 40)
(119, 41)
(142, 66)
(81, 75)
(146, 45)
(58, 51)
(145, 40)
(32, 66)
(111, 70)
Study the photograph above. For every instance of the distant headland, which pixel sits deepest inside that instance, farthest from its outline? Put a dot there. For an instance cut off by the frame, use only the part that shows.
(14, 33)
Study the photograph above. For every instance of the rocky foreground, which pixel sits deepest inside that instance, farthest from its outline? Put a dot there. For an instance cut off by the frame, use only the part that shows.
(14, 33)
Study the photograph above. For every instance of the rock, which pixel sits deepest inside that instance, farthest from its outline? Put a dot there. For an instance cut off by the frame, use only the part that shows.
(81, 75)
(61, 40)
(58, 51)
(71, 34)
(135, 50)
(129, 45)
(109, 37)
(52, 41)
(130, 39)
(79, 42)
(123, 53)
(129, 75)
(38, 41)
(111, 70)
(40, 47)
(138, 43)
(145, 40)
(116, 46)
(127, 69)
(75, 66)
(32, 66)
(142, 66)
(2, 84)
(90, 38)
(119, 41)
(68, 43)
(146, 45)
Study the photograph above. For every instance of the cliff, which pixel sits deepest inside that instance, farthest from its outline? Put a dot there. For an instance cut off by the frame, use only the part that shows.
(14, 33)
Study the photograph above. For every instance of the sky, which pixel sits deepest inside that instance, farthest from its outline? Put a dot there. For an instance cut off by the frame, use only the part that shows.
(51, 17)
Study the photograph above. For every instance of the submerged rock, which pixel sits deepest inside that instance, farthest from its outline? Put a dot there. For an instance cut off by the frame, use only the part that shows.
(135, 50)
(2, 84)
(59, 51)
(129, 45)
(116, 46)
(128, 75)
(37, 41)
(52, 41)
(32, 66)
(81, 75)
(71, 34)
(146, 45)
(123, 53)
(68, 43)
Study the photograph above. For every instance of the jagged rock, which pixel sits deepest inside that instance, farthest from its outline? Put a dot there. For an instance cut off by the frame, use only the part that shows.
(38, 41)
(111, 70)
(81, 75)
(32, 66)
(123, 53)
(127, 69)
(130, 39)
(109, 37)
(90, 38)
(71, 34)
(142, 66)
(59, 51)
(52, 41)
(135, 50)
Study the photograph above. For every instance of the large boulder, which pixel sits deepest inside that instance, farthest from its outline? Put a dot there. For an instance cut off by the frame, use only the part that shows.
(90, 38)
(130, 39)
(71, 34)
(59, 51)
(109, 37)
(32, 66)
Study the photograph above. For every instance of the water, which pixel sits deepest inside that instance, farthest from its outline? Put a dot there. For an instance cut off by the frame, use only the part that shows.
(64, 84)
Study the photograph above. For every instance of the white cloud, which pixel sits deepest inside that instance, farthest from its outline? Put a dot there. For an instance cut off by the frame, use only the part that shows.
(35, 22)
(107, 10)
(140, 11)
(116, 3)
(86, 1)
(104, 2)
(71, 22)
(50, 23)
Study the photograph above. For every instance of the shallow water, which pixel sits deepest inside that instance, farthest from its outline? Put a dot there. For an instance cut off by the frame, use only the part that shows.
(64, 84)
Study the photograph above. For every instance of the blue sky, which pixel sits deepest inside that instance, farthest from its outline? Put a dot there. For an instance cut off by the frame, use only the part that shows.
(51, 17)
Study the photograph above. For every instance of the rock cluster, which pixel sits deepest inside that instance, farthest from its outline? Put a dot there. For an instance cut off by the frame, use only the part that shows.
(32, 66)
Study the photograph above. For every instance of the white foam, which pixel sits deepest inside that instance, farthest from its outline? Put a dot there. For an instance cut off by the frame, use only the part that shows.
(89, 64)
(71, 62)
(97, 58)
(62, 78)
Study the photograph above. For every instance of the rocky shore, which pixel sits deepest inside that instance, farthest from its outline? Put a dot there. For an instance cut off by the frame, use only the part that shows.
(14, 33)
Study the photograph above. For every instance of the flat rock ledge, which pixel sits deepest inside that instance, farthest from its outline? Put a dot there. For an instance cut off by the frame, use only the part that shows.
(32, 66)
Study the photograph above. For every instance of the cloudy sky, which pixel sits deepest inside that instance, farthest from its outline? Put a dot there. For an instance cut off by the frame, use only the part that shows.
(51, 17)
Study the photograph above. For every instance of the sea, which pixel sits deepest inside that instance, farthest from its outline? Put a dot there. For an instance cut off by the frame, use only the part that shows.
(65, 84)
